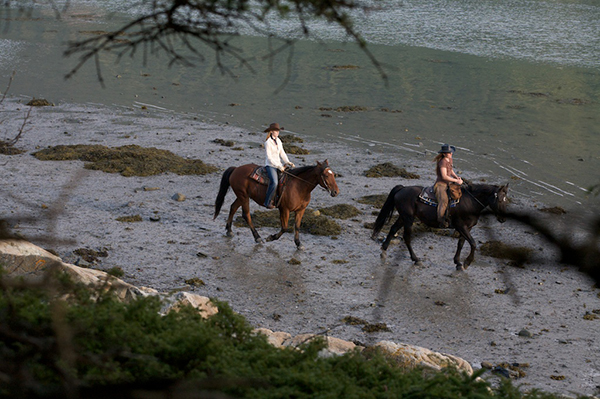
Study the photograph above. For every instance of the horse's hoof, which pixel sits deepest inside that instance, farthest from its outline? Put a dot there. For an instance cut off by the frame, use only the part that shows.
(419, 263)
(383, 254)
(270, 238)
(229, 234)
(460, 268)
(300, 247)
(259, 241)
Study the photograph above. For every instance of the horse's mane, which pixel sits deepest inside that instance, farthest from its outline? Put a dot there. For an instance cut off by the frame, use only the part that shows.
(301, 169)
(477, 188)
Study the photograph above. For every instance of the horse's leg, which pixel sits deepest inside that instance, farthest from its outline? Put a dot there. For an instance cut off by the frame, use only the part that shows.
(407, 240)
(232, 210)
(393, 230)
(284, 217)
(248, 219)
(465, 234)
(461, 242)
(299, 215)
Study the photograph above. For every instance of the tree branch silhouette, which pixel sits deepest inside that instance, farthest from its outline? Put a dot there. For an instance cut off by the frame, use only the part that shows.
(185, 30)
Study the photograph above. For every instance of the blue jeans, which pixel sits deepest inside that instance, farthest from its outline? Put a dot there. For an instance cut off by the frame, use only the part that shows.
(273, 180)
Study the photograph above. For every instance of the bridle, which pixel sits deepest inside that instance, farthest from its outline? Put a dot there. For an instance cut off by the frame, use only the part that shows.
(496, 199)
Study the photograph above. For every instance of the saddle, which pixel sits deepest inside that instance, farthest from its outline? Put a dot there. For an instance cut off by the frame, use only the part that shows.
(259, 174)
(427, 196)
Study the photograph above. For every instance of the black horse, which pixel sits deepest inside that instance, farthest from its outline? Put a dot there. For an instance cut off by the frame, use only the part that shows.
(475, 198)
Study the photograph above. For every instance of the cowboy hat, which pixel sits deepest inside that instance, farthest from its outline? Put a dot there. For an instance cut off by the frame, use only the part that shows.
(447, 148)
(272, 127)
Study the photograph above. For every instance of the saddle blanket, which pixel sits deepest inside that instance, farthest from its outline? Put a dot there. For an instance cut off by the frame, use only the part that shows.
(259, 174)
(427, 197)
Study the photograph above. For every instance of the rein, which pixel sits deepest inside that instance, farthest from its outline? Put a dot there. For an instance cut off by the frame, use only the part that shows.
(307, 182)
(479, 202)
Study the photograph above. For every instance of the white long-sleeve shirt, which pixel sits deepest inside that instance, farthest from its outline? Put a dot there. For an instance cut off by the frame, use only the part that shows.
(275, 153)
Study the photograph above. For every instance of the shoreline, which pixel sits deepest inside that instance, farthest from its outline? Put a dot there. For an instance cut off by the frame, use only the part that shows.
(477, 315)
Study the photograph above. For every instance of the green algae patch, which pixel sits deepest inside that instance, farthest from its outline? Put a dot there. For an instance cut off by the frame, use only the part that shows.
(312, 223)
(353, 321)
(341, 211)
(388, 169)
(376, 327)
(129, 219)
(128, 160)
(39, 102)
(7, 148)
(224, 143)
(290, 138)
(294, 149)
(195, 282)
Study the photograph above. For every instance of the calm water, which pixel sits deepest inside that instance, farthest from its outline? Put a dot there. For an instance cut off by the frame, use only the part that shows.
(515, 86)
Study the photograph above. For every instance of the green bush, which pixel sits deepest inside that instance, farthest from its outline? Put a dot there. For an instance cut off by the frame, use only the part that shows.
(56, 341)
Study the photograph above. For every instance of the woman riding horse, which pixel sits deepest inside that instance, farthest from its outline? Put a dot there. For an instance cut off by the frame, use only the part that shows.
(475, 198)
(445, 176)
(275, 154)
(294, 198)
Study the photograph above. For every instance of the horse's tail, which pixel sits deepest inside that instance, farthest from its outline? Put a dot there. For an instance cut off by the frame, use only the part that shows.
(223, 190)
(386, 212)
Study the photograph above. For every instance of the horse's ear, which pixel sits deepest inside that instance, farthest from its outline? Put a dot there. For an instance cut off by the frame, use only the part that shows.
(326, 162)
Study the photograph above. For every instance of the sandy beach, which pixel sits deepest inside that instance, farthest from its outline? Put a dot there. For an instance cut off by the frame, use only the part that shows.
(530, 317)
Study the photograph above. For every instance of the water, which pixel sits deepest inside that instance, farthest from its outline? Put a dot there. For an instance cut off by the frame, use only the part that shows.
(515, 86)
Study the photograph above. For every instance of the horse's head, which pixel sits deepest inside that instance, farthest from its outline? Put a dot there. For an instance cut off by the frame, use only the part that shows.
(327, 180)
(499, 203)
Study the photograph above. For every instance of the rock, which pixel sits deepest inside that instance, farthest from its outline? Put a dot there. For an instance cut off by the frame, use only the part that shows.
(178, 197)
(414, 356)
(487, 365)
(335, 346)
(21, 258)
(525, 333)
(275, 338)
(501, 371)
(203, 304)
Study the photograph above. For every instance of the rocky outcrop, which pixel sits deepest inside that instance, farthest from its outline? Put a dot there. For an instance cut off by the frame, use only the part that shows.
(406, 356)
(410, 356)
(21, 258)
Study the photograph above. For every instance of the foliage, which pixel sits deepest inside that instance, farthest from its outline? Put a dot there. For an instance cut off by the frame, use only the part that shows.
(51, 346)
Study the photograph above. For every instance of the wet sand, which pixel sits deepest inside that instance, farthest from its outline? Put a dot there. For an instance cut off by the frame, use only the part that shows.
(493, 312)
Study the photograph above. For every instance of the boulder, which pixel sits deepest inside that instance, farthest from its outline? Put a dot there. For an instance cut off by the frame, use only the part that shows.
(24, 259)
(201, 303)
(335, 346)
(277, 339)
(414, 356)
(21, 258)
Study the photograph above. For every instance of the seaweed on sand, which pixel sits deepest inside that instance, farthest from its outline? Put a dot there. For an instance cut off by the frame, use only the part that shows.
(128, 160)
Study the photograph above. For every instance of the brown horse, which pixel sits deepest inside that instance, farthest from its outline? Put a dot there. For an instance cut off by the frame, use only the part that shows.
(475, 198)
(294, 198)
